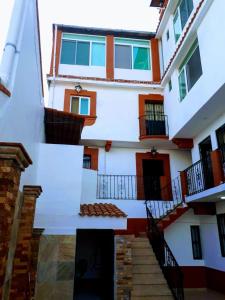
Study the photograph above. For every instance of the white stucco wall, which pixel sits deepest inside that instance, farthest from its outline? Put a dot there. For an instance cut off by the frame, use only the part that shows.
(21, 115)
(60, 175)
(212, 79)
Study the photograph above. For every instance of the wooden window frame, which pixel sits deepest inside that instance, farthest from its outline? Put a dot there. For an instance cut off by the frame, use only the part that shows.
(88, 119)
(93, 152)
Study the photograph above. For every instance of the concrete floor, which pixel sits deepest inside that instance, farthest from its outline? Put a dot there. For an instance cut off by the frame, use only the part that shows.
(203, 294)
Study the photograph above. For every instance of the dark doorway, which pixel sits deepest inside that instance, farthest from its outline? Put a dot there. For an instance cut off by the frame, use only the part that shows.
(205, 148)
(94, 265)
(152, 170)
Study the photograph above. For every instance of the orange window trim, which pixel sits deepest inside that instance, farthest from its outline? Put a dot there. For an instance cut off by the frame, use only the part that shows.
(89, 120)
(150, 97)
(57, 54)
(110, 57)
(93, 152)
(156, 76)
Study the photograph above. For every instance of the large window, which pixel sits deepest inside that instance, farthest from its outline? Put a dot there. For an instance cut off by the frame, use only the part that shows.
(190, 70)
(83, 50)
(181, 16)
(221, 228)
(80, 105)
(132, 54)
(196, 242)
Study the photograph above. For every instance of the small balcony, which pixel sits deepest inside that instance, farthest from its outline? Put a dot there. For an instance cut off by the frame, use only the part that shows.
(153, 125)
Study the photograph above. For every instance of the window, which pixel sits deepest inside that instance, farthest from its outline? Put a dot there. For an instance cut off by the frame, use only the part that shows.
(132, 54)
(80, 105)
(167, 35)
(221, 229)
(87, 161)
(190, 70)
(170, 85)
(181, 16)
(220, 134)
(196, 242)
(83, 50)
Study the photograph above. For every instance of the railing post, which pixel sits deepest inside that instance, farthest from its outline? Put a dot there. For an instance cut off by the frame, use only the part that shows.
(217, 167)
(184, 184)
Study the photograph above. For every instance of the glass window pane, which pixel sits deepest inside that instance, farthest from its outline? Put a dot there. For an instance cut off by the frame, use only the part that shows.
(177, 26)
(84, 106)
(82, 56)
(123, 57)
(141, 58)
(183, 13)
(193, 68)
(98, 54)
(87, 161)
(75, 105)
(190, 6)
(182, 85)
(68, 52)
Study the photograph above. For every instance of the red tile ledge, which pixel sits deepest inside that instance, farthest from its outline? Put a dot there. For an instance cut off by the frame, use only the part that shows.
(4, 90)
(101, 210)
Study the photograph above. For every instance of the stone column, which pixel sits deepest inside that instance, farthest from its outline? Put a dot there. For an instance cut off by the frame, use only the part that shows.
(13, 160)
(20, 285)
(35, 241)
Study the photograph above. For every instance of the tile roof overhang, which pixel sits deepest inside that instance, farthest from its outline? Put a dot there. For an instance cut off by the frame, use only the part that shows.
(101, 210)
(62, 127)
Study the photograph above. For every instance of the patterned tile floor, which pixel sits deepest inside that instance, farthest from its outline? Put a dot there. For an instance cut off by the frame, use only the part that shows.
(203, 295)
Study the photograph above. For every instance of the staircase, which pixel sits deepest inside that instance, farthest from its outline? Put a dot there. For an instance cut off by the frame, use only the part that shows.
(148, 281)
(171, 217)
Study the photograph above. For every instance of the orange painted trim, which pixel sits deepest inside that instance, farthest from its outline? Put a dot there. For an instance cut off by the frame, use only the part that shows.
(52, 54)
(93, 152)
(184, 184)
(58, 48)
(110, 57)
(183, 143)
(139, 170)
(152, 137)
(108, 146)
(4, 90)
(156, 76)
(88, 120)
(217, 168)
(149, 97)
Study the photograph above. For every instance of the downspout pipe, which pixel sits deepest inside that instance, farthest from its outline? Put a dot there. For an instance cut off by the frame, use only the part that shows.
(12, 41)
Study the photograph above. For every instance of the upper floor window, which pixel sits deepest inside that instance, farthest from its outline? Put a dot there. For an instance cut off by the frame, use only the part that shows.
(80, 105)
(190, 70)
(83, 50)
(221, 228)
(181, 16)
(132, 54)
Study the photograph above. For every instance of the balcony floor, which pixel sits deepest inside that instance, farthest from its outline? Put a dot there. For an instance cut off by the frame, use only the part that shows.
(203, 294)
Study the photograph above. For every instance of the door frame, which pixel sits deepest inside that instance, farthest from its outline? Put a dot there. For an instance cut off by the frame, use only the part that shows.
(164, 180)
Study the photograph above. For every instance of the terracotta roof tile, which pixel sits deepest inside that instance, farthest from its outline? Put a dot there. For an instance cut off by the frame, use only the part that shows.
(101, 209)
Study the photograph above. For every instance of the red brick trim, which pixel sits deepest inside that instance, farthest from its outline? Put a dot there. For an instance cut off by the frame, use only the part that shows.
(93, 152)
(4, 90)
(89, 120)
(156, 76)
(110, 57)
(107, 80)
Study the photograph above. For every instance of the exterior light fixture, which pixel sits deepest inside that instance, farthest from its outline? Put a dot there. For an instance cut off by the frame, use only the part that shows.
(153, 151)
(78, 88)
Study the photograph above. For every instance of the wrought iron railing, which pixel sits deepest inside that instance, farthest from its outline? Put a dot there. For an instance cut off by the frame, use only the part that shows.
(199, 177)
(153, 124)
(164, 255)
(161, 209)
(222, 149)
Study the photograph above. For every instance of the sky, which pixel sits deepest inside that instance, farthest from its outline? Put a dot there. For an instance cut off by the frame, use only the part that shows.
(116, 14)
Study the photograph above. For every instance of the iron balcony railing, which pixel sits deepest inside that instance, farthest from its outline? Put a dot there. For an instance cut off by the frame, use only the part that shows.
(153, 124)
(164, 255)
(161, 199)
(199, 177)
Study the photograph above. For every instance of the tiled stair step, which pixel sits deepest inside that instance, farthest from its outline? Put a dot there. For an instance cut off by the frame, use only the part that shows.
(144, 260)
(151, 290)
(142, 251)
(149, 279)
(152, 298)
(146, 269)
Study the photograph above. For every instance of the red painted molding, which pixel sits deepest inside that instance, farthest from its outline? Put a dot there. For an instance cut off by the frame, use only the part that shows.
(217, 167)
(93, 152)
(183, 143)
(134, 226)
(156, 76)
(4, 90)
(203, 208)
(110, 57)
(108, 146)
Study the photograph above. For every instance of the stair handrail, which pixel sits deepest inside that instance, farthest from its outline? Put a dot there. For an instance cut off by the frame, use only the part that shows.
(173, 192)
(165, 257)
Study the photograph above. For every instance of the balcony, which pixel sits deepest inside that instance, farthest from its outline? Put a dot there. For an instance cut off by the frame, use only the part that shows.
(153, 125)
(205, 178)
